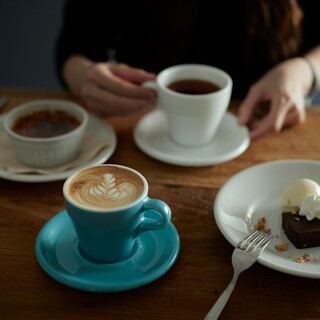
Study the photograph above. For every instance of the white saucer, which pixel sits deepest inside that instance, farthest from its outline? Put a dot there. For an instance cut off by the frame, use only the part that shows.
(151, 136)
(98, 127)
(255, 193)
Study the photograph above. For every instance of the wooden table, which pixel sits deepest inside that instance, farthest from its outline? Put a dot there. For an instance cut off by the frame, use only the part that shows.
(203, 268)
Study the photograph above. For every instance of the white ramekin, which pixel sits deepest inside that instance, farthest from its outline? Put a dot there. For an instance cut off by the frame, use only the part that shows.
(47, 152)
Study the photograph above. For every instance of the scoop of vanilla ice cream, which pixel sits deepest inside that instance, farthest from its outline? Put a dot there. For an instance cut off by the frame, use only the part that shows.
(310, 207)
(297, 191)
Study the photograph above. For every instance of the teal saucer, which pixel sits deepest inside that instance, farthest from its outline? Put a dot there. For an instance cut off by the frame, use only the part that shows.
(58, 254)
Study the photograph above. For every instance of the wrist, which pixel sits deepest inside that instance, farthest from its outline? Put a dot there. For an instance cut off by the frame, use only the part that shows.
(314, 83)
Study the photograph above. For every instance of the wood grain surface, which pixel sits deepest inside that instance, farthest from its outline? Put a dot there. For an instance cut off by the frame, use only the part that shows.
(203, 268)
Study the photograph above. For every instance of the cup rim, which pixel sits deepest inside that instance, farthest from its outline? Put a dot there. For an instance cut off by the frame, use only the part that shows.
(56, 104)
(193, 66)
(106, 210)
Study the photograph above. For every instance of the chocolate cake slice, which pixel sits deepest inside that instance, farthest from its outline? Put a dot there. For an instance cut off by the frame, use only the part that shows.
(301, 232)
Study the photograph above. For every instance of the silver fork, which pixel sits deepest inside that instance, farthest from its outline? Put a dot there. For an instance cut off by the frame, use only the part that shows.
(243, 257)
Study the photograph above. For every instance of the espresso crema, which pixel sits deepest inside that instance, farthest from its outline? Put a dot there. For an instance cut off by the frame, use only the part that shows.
(105, 187)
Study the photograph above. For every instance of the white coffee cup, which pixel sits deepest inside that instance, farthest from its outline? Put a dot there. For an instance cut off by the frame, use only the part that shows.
(193, 119)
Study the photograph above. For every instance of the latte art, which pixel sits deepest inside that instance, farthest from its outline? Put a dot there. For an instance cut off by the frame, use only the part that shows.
(105, 187)
(108, 191)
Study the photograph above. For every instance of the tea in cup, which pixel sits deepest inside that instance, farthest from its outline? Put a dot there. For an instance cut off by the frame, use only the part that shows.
(194, 99)
(108, 207)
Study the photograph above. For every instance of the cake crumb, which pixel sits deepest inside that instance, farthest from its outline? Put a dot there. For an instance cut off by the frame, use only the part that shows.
(282, 247)
(307, 257)
(261, 225)
(299, 260)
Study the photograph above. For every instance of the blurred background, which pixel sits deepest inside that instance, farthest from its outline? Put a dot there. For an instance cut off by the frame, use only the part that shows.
(28, 31)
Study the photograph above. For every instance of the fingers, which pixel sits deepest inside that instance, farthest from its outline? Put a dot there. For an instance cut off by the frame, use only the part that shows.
(283, 112)
(292, 118)
(246, 109)
(105, 103)
(283, 88)
(104, 78)
(106, 93)
(131, 74)
(279, 110)
(273, 121)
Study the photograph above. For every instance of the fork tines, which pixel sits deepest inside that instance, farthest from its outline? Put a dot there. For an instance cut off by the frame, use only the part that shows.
(257, 241)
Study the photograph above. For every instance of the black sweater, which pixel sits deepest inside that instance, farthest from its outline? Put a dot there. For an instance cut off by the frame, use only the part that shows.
(155, 34)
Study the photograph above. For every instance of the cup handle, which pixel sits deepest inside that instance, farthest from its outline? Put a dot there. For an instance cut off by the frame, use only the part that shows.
(154, 223)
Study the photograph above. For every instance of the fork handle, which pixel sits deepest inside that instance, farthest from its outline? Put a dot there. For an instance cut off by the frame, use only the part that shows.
(217, 308)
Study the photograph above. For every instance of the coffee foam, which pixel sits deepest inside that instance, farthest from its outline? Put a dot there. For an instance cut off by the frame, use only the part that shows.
(105, 187)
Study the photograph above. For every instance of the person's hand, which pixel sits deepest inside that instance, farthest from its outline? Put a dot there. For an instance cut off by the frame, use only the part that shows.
(109, 89)
(277, 99)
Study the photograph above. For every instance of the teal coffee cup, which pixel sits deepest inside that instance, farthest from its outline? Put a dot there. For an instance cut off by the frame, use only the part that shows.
(108, 206)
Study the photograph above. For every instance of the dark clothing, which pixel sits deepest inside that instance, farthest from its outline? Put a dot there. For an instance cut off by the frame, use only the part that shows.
(154, 35)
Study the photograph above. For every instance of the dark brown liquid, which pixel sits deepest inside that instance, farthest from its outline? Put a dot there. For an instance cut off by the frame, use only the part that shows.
(45, 124)
(193, 86)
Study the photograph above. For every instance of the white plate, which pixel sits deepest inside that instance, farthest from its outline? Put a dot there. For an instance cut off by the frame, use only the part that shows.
(255, 193)
(151, 136)
(98, 127)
